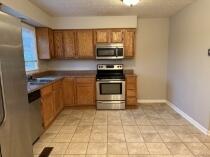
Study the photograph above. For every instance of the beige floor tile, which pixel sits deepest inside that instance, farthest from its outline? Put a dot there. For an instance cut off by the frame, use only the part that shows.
(80, 138)
(67, 129)
(117, 148)
(188, 138)
(203, 138)
(97, 148)
(170, 137)
(77, 148)
(98, 137)
(147, 129)
(117, 155)
(85, 129)
(58, 148)
(178, 149)
(208, 145)
(96, 156)
(163, 129)
(63, 137)
(115, 129)
(38, 147)
(157, 122)
(53, 129)
(73, 156)
(133, 137)
(151, 137)
(99, 129)
(157, 148)
(115, 122)
(137, 148)
(198, 148)
(116, 137)
(47, 137)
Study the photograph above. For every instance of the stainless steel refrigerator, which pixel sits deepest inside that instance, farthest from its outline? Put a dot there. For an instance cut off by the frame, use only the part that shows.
(15, 138)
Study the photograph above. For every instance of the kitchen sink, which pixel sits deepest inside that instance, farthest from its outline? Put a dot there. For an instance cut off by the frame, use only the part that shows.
(41, 81)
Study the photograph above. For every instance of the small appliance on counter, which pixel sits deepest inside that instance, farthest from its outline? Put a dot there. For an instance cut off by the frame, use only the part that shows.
(110, 51)
(110, 86)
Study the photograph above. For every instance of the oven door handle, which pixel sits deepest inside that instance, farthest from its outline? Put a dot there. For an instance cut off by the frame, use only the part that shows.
(109, 81)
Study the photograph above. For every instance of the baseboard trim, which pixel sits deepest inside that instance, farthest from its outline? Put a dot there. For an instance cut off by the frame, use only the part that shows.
(190, 119)
(150, 101)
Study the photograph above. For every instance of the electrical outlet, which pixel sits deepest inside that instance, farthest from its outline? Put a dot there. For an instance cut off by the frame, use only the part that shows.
(208, 52)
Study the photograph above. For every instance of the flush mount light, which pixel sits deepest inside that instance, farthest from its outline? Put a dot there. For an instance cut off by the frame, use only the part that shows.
(130, 2)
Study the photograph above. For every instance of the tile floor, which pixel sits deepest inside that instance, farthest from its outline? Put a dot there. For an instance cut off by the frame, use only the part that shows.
(153, 130)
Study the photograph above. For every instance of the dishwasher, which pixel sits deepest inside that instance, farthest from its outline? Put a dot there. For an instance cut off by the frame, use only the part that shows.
(34, 99)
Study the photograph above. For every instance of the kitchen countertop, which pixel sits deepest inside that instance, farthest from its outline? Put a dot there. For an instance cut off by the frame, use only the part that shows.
(58, 75)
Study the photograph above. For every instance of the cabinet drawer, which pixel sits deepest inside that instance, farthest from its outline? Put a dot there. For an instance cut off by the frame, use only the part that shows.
(46, 91)
(131, 79)
(132, 101)
(131, 93)
(86, 80)
(57, 85)
(131, 86)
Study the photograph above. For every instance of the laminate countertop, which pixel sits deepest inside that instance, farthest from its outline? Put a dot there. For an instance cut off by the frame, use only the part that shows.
(59, 75)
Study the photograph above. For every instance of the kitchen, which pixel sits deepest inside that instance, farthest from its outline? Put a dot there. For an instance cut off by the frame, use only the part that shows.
(98, 82)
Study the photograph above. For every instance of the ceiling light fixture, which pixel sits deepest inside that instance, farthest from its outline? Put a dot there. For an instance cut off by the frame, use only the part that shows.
(130, 2)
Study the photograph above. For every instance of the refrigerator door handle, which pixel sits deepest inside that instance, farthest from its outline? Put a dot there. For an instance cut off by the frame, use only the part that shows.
(2, 97)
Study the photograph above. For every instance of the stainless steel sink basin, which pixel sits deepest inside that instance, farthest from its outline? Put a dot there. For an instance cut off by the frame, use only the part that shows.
(41, 81)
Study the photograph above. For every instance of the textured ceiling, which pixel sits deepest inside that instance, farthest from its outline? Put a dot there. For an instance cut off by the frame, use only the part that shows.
(146, 8)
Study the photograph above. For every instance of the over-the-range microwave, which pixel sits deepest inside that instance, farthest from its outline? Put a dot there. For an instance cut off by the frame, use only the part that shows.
(110, 51)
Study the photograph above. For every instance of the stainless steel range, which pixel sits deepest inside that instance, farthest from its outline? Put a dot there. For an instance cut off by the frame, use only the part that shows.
(110, 86)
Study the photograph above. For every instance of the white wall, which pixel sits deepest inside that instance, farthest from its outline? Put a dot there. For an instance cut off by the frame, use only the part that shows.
(25, 9)
(189, 64)
(150, 63)
(95, 22)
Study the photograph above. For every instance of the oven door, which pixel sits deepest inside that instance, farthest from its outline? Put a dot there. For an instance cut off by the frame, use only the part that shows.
(109, 53)
(110, 90)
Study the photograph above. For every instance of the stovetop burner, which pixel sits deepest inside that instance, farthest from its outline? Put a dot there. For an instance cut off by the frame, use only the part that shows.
(110, 71)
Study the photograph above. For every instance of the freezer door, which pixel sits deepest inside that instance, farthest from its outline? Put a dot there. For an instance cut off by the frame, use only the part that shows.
(15, 138)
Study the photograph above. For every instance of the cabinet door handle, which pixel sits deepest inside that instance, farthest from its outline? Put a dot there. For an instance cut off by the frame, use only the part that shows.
(2, 98)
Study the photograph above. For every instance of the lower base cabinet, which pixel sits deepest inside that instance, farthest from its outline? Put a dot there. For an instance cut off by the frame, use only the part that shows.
(131, 90)
(79, 91)
(51, 102)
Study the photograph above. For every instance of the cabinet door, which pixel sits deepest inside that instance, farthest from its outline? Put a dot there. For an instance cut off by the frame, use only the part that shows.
(129, 43)
(58, 100)
(44, 40)
(85, 94)
(117, 36)
(85, 44)
(47, 109)
(69, 44)
(58, 44)
(131, 90)
(68, 92)
(51, 43)
(102, 36)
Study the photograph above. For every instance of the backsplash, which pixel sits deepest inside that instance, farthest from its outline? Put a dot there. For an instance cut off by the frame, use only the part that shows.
(82, 64)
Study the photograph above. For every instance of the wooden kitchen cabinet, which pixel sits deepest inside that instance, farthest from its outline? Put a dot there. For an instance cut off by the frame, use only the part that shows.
(58, 44)
(47, 105)
(84, 44)
(131, 89)
(58, 97)
(116, 35)
(69, 44)
(69, 91)
(45, 45)
(129, 43)
(85, 91)
(102, 36)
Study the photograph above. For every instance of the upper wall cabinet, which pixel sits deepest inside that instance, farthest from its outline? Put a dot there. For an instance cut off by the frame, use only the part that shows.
(85, 48)
(69, 44)
(45, 46)
(129, 43)
(80, 44)
(58, 44)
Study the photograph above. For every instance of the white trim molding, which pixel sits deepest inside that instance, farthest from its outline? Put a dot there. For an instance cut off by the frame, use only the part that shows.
(150, 101)
(190, 119)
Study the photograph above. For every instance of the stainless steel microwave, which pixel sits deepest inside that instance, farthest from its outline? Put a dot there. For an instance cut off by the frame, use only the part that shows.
(110, 51)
